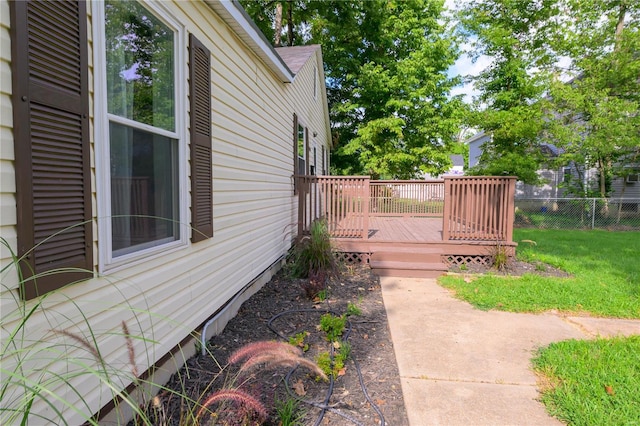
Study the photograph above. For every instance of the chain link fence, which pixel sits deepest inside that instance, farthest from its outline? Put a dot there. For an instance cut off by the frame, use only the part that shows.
(578, 213)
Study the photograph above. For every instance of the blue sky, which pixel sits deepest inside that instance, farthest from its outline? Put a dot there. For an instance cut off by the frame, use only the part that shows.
(465, 66)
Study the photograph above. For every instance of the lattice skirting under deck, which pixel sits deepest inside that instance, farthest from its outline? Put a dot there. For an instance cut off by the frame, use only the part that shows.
(353, 258)
(459, 260)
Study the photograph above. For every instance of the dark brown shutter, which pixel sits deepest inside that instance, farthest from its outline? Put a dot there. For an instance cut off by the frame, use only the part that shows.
(51, 138)
(201, 174)
(295, 153)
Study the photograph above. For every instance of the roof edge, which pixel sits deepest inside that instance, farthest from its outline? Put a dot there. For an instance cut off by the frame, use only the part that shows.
(234, 15)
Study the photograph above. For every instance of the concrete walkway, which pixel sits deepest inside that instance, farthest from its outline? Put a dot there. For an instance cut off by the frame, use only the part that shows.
(462, 366)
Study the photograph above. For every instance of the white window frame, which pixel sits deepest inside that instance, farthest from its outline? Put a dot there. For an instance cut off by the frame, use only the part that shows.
(305, 142)
(106, 260)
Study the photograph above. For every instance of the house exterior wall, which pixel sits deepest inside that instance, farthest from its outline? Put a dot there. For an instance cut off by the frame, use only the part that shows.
(475, 147)
(312, 110)
(629, 189)
(165, 296)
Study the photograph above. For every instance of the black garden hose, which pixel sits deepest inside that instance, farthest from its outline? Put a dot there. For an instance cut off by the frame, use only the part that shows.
(324, 406)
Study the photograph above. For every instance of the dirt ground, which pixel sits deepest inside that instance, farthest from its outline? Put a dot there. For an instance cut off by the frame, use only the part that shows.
(366, 391)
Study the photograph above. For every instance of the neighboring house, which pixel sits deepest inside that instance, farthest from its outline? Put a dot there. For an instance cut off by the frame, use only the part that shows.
(555, 180)
(456, 169)
(457, 166)
(475, 143)
(151, 155)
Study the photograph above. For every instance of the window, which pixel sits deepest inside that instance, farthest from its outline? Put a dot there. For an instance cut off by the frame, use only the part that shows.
(52, 144)
(143, 136)
(301, 150)
(632, 178)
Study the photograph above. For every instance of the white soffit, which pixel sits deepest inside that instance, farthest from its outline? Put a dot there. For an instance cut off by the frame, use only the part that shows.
(234, 15)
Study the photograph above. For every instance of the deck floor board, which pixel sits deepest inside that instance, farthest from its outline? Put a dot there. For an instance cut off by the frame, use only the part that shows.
(405, 229)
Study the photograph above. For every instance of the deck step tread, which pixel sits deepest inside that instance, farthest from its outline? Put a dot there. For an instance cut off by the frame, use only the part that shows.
(396, 264)
(408, 273)
(415, 249)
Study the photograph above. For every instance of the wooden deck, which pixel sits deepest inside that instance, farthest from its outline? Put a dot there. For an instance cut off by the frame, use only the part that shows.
(405, 229)
(412, 228)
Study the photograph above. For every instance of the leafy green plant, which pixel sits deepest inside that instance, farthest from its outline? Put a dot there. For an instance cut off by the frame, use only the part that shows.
(322, 295)
(334, 366)
(353, 310)
(333, 326)
(323, 360)
(299, 340)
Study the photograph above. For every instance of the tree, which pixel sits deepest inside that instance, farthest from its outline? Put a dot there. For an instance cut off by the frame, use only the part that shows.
(386, 68)
(595, 118)
(388, 87)
(511, 33)
(589, 108)
(271, 16)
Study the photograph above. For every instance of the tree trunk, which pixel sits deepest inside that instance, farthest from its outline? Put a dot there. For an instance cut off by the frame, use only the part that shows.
(277, 38)
(290, 22)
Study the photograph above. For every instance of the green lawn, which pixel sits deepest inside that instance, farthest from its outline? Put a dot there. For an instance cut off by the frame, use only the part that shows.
(605, 281)
(590, 382)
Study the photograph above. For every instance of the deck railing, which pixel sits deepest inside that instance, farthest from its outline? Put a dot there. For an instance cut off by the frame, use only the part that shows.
(407, 198)
(472, 208)
(343, 201)
(478, 208)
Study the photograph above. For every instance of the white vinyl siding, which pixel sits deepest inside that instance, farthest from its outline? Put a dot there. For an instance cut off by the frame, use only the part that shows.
(8, 218)
(166, 296)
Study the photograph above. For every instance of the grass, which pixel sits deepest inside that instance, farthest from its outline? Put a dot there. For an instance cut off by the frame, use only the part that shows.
(592, 382)
(605, 277)
(588, 382)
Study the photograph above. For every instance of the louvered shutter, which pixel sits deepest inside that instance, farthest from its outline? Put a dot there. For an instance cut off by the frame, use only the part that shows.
(201, 174)
(295, 153)
(51, 137)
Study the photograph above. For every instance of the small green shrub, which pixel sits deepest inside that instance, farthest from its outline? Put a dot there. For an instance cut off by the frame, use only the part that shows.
(299, 340)
(322, 295)
(334, 367)
(333, 326)
(323, 360)
(353, 310)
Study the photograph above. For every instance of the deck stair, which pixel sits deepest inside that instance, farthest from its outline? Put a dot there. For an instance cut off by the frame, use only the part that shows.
(411, 262)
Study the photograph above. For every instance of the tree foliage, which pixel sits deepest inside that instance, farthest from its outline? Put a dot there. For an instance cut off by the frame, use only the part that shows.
(595, 118)
(511, 34)
(529, 95)
(386, 68)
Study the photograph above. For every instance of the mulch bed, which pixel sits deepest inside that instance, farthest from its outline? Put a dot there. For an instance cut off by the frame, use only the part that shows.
(366, 392)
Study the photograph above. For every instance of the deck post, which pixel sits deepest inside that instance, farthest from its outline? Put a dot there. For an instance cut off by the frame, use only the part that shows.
(511, 208)
(446, 214)
(365, 208)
